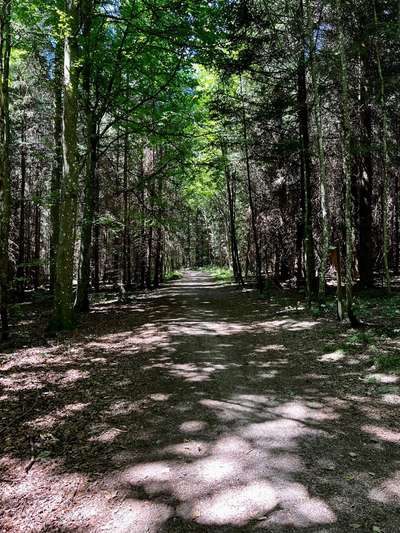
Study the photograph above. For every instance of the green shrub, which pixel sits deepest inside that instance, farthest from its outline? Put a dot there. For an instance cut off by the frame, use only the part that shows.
(388, 362)
(220, 273)
(173, 276)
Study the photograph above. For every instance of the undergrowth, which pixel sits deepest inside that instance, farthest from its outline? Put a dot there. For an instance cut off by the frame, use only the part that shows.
(388, 362)
(219, 273)
(173, 276)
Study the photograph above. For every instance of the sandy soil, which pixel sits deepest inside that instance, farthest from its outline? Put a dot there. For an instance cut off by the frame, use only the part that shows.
(196, 408)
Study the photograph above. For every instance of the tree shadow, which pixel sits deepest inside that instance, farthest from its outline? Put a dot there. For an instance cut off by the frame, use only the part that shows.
(196, 408)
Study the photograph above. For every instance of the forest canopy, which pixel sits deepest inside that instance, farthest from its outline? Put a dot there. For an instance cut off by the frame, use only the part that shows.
(141, 137)
(199, 266)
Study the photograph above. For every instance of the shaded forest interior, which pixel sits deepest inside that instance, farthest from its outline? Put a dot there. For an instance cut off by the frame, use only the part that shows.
(199, 266)
(138, 138)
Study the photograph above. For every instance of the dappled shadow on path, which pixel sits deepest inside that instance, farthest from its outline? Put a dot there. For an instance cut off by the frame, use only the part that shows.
(196, 408)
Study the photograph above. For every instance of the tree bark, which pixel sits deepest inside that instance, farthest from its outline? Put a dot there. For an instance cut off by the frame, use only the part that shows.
(236, 265)
(346, 162)
(56, 175)
(306, 167)
(321, 156)
(385, 158)
(5, 193)
(38, 228)
(253, 215)
(64, 312)
(366, 174)
(21, 232)
(82, 296)
(159, 236)
(126, 267)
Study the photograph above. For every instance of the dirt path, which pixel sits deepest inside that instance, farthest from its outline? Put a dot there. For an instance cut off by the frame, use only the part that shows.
(196, 408)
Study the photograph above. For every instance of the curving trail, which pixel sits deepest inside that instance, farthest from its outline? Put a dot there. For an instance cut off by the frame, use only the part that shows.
(196, 408)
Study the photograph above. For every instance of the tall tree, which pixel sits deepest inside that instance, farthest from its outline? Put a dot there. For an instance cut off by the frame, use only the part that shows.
(312, 49)
(82, 295)
(252, 204)
(5, 197)
(56, 175)
(305, 155)
(385, 155)
(346, 162)
(64, 312)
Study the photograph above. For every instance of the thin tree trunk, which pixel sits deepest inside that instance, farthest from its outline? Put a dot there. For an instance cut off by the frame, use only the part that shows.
(397, 226)
(56, 174)
(82, 296)
(142, 246)
(116, 242)
(385, 159)
(159, 237)
(321, 157)
(157, 258)
(64, 316)
(5, 194)
(236, 265)
(366, 175)
(21, 233)
(96, 234)
(300, 229)
(253, 215)
(38, 226)
(126, 265)
(149, 257)
(346, 161)
(304, 129)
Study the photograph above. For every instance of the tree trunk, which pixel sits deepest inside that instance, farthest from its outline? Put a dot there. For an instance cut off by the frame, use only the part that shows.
(300, 228)
(82, 296)
(96, 234)
(306, 168)
(321, 157)
(236, 265)
(397, 226)
(159, 237)
(21, 233)
(385, 159)
(56, 174)
(253, 215)
(346, 161)
(149, 257)
(64, 315)
(126, 255)
(36, 268)
(142, 238)
(366, 175)
(5, 194)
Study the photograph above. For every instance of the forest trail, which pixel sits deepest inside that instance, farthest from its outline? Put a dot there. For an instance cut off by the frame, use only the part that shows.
(199, 408)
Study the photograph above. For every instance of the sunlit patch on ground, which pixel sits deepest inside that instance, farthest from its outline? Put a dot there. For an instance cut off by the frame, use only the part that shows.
(383, 378)
(391, 399)
(383, 433)
(388, 491)
(235, 506)
(338, 355)
(50, 420)
(193, 426)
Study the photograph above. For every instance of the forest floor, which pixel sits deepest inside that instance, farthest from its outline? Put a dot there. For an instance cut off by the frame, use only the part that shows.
(197, 408)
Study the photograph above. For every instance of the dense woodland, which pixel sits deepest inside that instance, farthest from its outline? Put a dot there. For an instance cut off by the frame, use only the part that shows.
(138, 137)
(199, 266)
